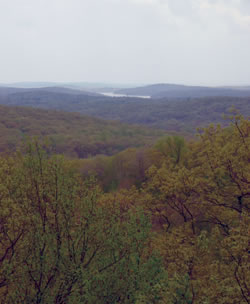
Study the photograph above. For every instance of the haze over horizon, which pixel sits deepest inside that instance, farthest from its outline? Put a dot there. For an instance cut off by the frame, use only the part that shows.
(192, 42)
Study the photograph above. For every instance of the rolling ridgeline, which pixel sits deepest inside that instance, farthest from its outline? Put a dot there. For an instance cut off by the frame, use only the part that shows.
(182, 115)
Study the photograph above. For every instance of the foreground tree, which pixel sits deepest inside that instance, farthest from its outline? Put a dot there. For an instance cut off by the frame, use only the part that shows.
(61, 244)
(201, 209)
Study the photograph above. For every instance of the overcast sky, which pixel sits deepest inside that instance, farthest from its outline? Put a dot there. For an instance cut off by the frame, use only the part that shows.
(126, 41)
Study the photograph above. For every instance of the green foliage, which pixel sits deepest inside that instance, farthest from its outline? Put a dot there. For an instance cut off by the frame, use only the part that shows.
(202, 205)
(71, 134)
(65, 245)
(180, 236)
(172, 147)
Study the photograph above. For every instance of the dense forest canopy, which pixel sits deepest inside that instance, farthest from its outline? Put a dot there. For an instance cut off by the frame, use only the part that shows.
(181, 235)
(73, 134)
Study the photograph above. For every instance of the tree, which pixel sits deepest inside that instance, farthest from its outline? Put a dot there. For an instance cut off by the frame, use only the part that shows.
(69, 246)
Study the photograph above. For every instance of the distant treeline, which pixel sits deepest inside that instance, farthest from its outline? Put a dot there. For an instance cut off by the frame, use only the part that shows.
(177, 115)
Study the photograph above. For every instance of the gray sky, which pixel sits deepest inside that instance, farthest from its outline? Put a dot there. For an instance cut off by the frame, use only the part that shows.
(132, 41)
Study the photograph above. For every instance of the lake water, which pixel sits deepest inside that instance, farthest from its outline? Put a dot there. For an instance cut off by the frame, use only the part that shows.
(111, 94)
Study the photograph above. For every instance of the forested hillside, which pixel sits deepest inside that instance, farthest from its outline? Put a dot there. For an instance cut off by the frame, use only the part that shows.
(6, 91)
(72, 134)
(181, 236)
(125, 152)
(184, 91)
(179, 115)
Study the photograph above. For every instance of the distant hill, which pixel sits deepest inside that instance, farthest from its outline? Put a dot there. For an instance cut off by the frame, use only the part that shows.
(66, 91)
(4, 91)
(182, 91)
(237, 87)
(173, 115)
(73, 134)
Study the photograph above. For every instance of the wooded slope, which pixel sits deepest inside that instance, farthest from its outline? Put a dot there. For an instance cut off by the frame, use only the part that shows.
(70, 133)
